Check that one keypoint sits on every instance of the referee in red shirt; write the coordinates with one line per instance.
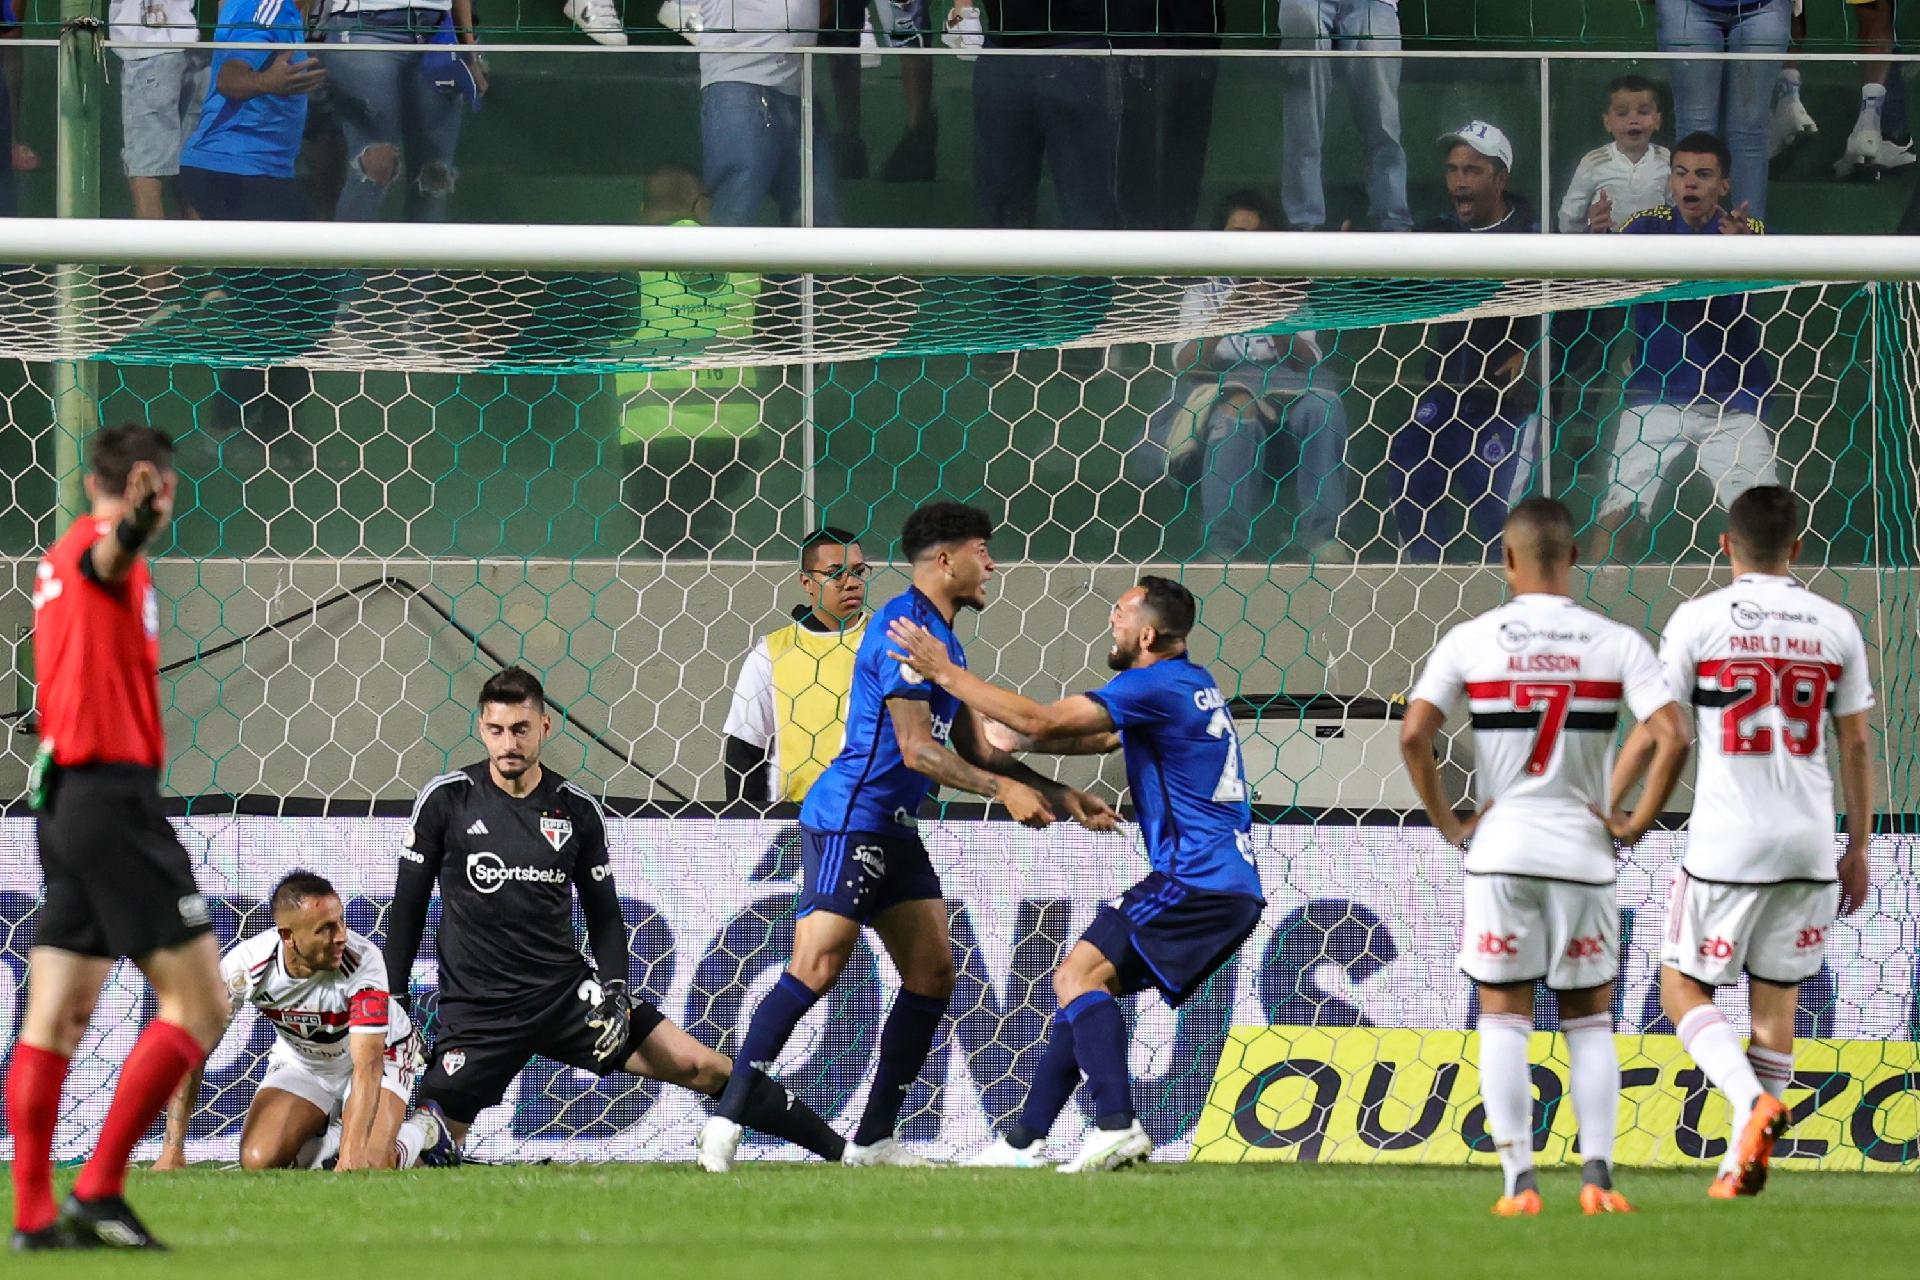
(118, 880)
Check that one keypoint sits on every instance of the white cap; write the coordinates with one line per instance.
(1485, 138)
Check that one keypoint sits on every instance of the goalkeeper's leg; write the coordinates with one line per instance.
(668, 1053)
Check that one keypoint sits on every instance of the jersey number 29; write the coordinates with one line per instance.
(1799, 689)
(1232, 787)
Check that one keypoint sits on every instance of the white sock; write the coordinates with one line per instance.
(1705, 1035)
(408, 1145)
(1595, 1067)
(1789, 84)
(1507, 1090)
(1773, 1070)
(1872, 97)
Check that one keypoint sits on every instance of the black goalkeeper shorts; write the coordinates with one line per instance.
(119, 882)
(475, 1060)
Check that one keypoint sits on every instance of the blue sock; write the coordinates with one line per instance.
(1100, 1047)
(767, 1034)
(905, 1042)
(1053, 1084)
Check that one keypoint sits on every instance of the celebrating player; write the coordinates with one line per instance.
(1765, 663)
(864, 863)
(1203, 896)
(344, 1056)
(510, 842)
(1544, 679)
(118, 882)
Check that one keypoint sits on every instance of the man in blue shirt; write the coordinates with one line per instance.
(1475, 431)
(864, 862)
(1203, 897)
(239, 165)
(1702, 380)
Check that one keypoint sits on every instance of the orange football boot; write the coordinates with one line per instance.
(1595, 1199)
(1765, 1125)
(1725, 1187)
(1524, 1205)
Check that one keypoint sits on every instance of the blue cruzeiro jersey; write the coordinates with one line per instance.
(1184, 770)
(868, 786)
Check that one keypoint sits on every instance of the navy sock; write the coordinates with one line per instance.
(1100, 1047)
(1053, 1084)
(905, 1042)
(767, 1034)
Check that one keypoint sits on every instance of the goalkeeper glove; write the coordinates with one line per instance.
(609, 1015)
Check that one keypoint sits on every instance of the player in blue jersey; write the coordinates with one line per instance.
(864, 862)
(1203, 897)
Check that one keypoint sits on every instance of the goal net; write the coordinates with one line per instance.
(408, 459)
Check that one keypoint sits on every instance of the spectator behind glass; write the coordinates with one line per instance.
(161, 93)
(1033, 110)
(1373, 95)
(1614, 182)
(239, 165)
(397, 117)
(750, 111)
(906, 25)
(1879, 140)
(1474, 431)
(1727, 98)
(1702, 378)
(1166, 112)
(1237, 396)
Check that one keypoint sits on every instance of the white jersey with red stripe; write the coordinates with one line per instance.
(1766, 663)
(313, 1016)
(1544, 680)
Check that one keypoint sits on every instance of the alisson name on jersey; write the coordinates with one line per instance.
(1544, 662)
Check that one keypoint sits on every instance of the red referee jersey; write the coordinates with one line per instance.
(96, 656)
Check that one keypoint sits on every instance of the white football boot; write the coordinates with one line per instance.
(1108, 1149)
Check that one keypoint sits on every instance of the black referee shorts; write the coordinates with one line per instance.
(477, 1054)
(119, 882)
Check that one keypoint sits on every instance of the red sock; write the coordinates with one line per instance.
(33, 1104)
(160, 1060)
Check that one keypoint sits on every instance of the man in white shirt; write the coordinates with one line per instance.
(1770, 668)
(1629, 174)
(345, 1054)
(162, 88)
(750, 111)
(1545, 681)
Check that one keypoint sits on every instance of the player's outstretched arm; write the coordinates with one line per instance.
(1417, 734)
(1663, 754)
(1856, 789)
(180, 1109)
(1074, 717)
(367, 1050)
(970, 739)
(924, 754)
(1087, 744)
(149, 497)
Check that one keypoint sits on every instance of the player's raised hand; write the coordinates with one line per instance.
(1090, 811)
(149, 495)
(1853, 877)
(1737, 223)
(1026, 806)
(920, 650)
(1600, 212)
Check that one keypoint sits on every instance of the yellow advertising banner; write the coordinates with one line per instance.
(1373, 1096)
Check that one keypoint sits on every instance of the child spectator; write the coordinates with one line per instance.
(1629, 174)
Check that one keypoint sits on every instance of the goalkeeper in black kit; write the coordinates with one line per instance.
(510, 843)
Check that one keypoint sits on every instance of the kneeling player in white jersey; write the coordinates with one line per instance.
(345, 1055)
(1544, 679)
(1764, 662)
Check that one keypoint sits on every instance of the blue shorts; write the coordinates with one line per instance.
(1165, 935)
(858, 874)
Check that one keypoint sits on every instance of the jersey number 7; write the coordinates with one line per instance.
(1551, 701)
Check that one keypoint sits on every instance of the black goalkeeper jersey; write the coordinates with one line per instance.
(508, 870)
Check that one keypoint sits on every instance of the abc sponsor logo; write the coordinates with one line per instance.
(1716, 949)
(1496, 944)
(1592, 948)
(1810, 938)
(486, 872)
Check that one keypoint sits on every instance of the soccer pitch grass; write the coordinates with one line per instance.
(1198, 1222)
